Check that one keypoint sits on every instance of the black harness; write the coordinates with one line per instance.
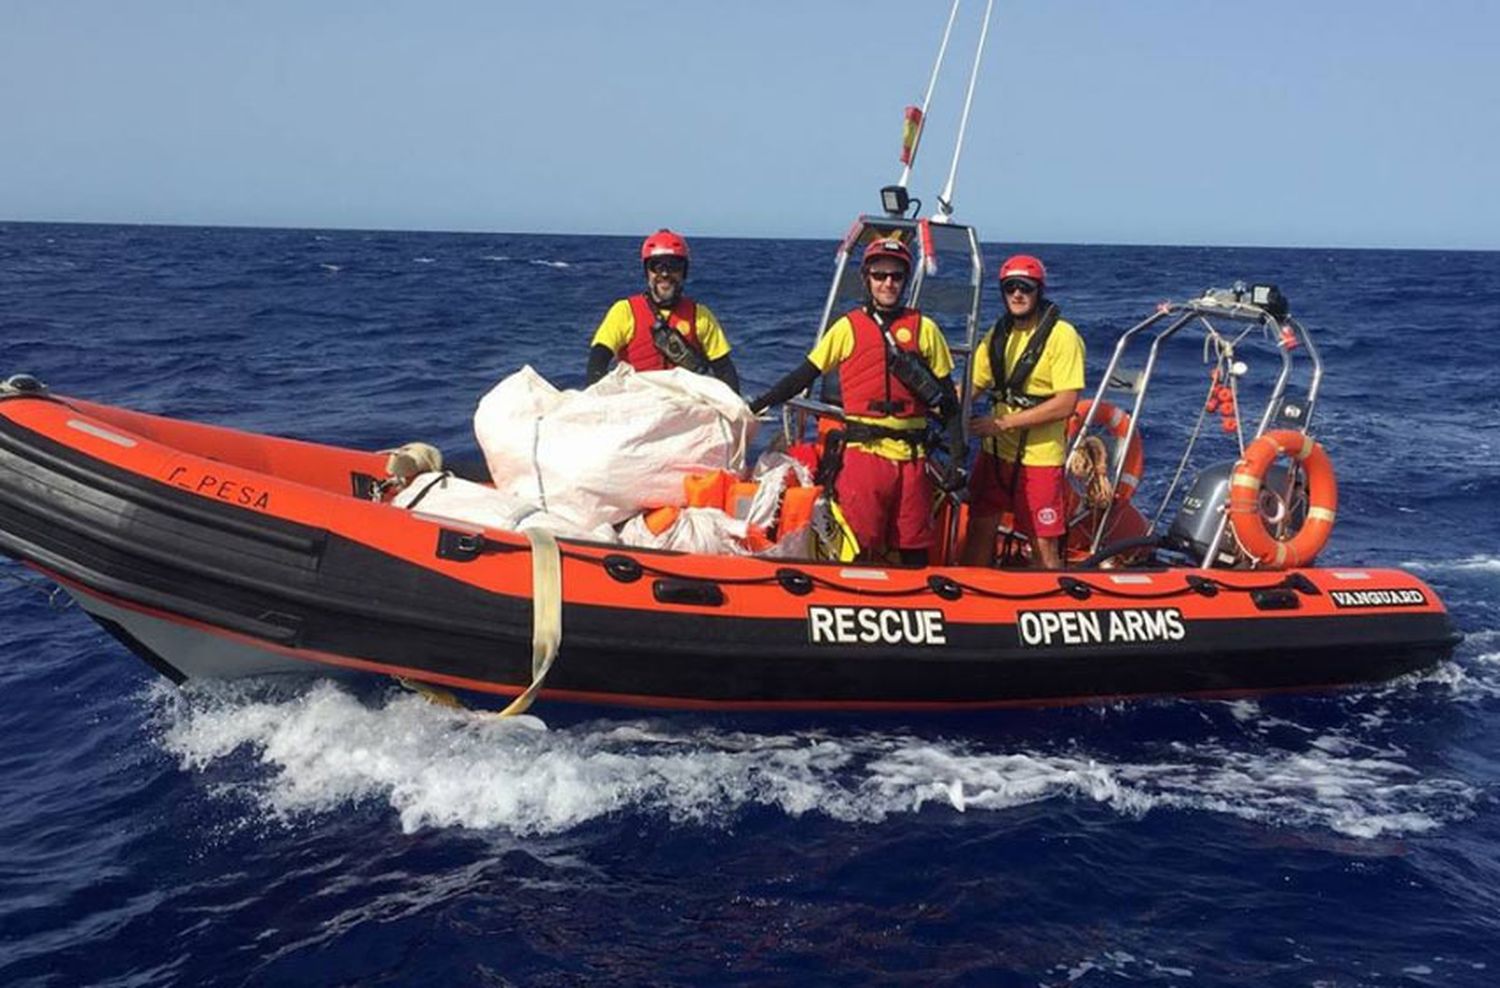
(1010, 388)
(675, 348)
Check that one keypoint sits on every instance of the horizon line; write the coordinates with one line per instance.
(708, 236)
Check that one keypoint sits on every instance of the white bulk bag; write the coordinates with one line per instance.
(447, 498)
(602, 455)
(702, 530)
(440, 495)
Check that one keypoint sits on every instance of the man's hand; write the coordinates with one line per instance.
(986, 426)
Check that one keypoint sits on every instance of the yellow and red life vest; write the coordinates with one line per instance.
(868, 386)
(641, 352)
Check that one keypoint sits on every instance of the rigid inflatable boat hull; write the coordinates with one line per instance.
(216, 554)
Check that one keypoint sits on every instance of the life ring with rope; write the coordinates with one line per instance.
(1245, 484)
(1088, 492)
(1096, 474)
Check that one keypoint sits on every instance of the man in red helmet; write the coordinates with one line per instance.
(894, 370)
(662, 328)
(1031, 363)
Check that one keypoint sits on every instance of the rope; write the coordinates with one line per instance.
(1089, 466)
(57, 596)
(546, 614)
(1222, 353)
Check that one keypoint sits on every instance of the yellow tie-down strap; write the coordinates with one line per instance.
(546, 614)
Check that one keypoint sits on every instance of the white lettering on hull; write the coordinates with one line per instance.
(1117, 627)
(875, 626)
(1378, 598)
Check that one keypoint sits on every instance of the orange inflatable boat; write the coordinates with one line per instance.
(215, 553)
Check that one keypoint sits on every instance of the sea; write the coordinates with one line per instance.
(308, 833)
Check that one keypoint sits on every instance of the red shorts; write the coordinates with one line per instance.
(888, 503)
(1038, 499)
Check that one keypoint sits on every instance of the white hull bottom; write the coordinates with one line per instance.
(190, 652)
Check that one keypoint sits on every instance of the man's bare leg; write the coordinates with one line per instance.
(1046, 553)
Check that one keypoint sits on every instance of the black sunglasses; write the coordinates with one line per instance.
(1017, 285)
(887, 275)
(666, 265)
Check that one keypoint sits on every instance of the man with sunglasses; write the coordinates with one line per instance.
(894, 369)
(1031, 362)
(662, 328)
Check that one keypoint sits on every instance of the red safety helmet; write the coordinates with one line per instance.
(1023, 266)
(891, 247)
(663, 243)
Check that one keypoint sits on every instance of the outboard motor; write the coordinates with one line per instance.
(1192, 530)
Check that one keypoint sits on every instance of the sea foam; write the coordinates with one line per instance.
(323, 748)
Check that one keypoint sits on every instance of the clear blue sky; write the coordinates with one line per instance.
(1295, 122)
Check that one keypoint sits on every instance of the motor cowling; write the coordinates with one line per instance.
(1206, 504)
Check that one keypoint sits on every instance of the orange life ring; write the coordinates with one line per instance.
(1244, 499)
(1117, 423)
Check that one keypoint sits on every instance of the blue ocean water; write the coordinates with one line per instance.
(304, 835)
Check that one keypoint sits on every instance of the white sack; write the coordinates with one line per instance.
(711, 531)
(567, 528)
(775, 461)
(792, 545)
(443, 496)
(702, 530)
(602, 455)
(465, 502)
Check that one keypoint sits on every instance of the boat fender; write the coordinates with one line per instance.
(1244, 499)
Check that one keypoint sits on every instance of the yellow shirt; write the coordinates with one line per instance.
(1059, 369)
(835, 346)
(619, 322)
